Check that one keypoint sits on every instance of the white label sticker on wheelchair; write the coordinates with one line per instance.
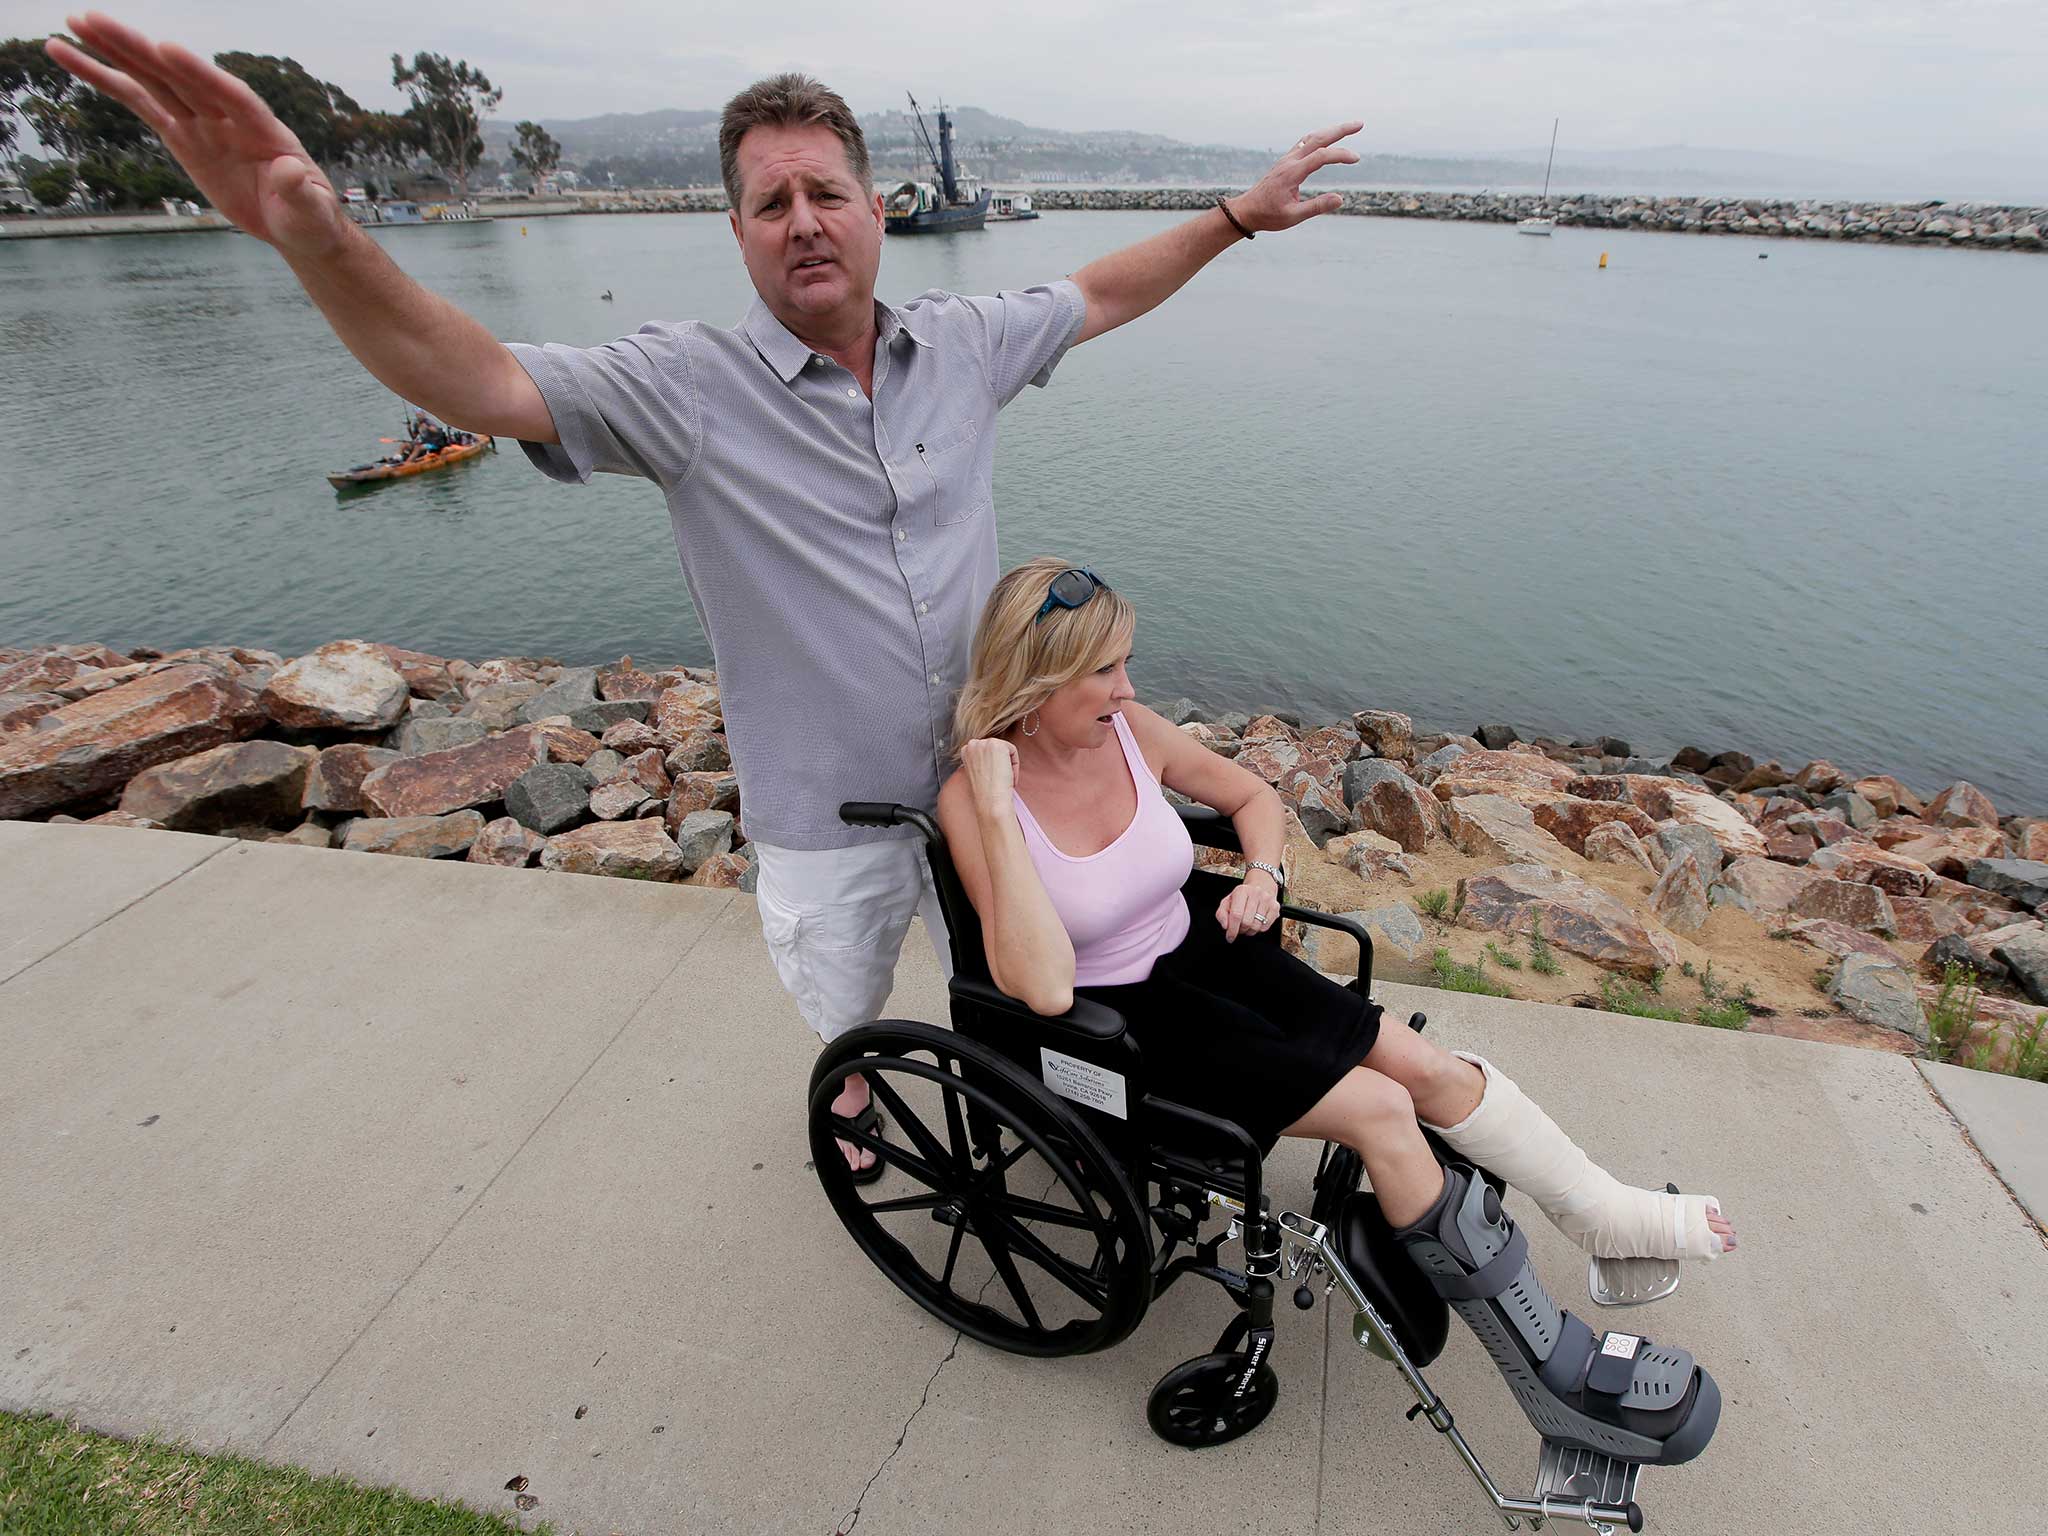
(1083, 1082)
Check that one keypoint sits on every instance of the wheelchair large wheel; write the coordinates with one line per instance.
(1002, 1213)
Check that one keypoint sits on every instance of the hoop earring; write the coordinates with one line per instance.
(1030, 730)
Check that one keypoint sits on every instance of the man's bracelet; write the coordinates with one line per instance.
(1224, 204)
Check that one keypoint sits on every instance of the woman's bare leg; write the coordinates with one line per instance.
(1373, 1115)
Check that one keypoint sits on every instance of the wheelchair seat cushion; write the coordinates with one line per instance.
(1243, 1031)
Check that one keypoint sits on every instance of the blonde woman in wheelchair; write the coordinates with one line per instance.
(1075, 862)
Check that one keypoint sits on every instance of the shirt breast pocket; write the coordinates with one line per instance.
(950, 457)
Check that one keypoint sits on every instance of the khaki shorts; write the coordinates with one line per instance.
(835, 918)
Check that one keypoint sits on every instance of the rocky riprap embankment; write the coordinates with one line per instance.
(1976, 226)
(622, 771)
(1860, 870)
(595, 770)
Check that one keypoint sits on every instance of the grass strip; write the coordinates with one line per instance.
(59, 1480)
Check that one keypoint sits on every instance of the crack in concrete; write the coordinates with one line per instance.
(226, 844)
(845, 1527)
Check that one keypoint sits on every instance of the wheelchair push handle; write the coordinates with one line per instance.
(885, 813)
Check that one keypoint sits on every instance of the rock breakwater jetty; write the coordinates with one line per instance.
(1960, 226)
(1804, 901)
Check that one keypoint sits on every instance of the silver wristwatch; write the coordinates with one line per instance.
(1279, 879)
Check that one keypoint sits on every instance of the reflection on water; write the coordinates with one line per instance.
(1788, 505)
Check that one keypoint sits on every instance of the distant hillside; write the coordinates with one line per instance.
(680, 148)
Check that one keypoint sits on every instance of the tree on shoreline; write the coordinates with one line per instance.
(110, 150)
(449, 102)
(536, 153)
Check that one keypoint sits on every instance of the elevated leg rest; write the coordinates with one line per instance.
(1376, 1259)
(1615, 1394)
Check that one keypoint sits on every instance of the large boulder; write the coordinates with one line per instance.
(418, 837)
(705, 751)
(1575, 916)
(1922, 920)
(684, 708)
(618, 799)
(1224, 743)
(1962, 804)
(1842, 901)
(256, 783)
(335, 782)
(2030, 840)
(722, 871)
(1498, 829)
(1321, 809)
(1395, 806)
(506, 843)
(1670, 800)
(478, 774)
(1676, 837)
(98, 743)
(550, 796)
(1887, 796)
(1370, 856)
(1616, 844)
(1531, 770)
(1836, 939)
(622, 680)
(497, 705)
(1879, 991)
(2022, 880)
(1571, 819)
(417, 737)
(1761, 886)
(20, 710)
(1271, 758)
(1868, 864)
(630, 850)
(1387, 733)
(1679, 898)
(1951, 850)
(574, 695)
(701, 792)
(631, 736)
(429, 677)
(1334, 744)
(1395, 927)
(2025, 954)
(703, 835)
(347, 685)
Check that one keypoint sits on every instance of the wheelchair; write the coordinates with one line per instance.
(1086, 1196)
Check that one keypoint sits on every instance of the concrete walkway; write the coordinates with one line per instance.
(438, 1175)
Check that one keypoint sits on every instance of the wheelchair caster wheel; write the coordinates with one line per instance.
(1192, 1404)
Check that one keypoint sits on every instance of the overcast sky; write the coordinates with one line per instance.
(1869, 81)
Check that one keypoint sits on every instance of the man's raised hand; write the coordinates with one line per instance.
(1276, 202)
(250, 166)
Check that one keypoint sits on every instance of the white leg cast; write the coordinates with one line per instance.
(1511, 1136)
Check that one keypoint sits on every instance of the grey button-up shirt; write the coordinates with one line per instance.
(838, 548)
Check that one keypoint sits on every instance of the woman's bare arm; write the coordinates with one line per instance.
(1030, 955)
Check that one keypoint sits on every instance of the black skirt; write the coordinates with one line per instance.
(1242, 1031)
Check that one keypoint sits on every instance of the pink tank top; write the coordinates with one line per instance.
(1122, 907)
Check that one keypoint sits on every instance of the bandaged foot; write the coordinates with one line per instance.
(1510, 1136)
(1617, 1394)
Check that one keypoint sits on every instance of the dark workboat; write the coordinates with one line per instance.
(955, 201)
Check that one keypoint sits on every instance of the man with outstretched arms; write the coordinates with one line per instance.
(826, 462)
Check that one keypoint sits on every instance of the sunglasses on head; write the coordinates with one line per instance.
(1070, 589)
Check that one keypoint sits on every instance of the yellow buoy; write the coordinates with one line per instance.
(1603, 261)
(522, 232)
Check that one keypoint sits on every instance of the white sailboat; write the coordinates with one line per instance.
(1542, 223)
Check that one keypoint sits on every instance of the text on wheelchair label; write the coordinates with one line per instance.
(1083, 1082)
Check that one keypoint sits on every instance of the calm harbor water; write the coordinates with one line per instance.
(1792, 505)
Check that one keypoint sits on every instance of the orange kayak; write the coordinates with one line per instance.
(370, 474)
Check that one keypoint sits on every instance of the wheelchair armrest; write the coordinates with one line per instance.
(1210, 829)
(1344, 925)
(1087, 1018)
